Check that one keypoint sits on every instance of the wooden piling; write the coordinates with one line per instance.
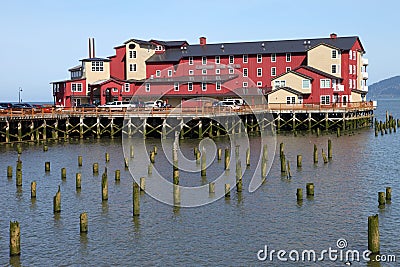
(248, 157)
(155, 150)
(142, 183)
(299, 161)
(175, 176)
(57, 201)
(219, 154)
(281, 149)
(136, 199)
(203, 162)
(299, 194)
(47, 166)
(239, 184)
(33, 189)
(329, 148)
(45, 148)
(388, 194)
(227, 158)
(152, 157)
(198, 156)
(80, 161)
(289, 174)
(211, 188)
(78, 180)
(83, 222)
(9, 171)
(318, 132)
(95, 168)
(18, 179)
(283, 164)
(310, 189)
(381, 198)
(104, 187)
(126, 161)
(150, 169)
(19, 149)
(315, 154)
(176, 195)
(338, 132)
(117, 175)
(324, 157)
(237, 151)
(132, 151)
(15, 238)
(373, 234)
(107, 157)
(63, 173)
(263, 170)
(227, 190)
(265, 152)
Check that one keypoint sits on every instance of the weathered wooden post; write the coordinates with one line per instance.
(80, 161)
(318, 132)
(9, 171)
(142, 184)
(315, 154)
(107, 157)
(104, 187)
(198, 156)
(388, 194)
(155, 149)
(176, 195)
(263, 170)
(150, 169)
(117, 175)
(329, 148)
(18, 179)
(132, 151)
(283, 164)
(237, 151)
(239, 184)
(265, 153)
(310, 189)
(203, 162)
(289, 174)
(83, 222)
(227, 190)
(227, 158)
(152, 157)
(381, 198)
(338, 132)
(299, 194)
(45, 148)
(299, 161)
(15, 238)
(281, 149)
(211, 187)
(47, 166)
(136, 199)
(195, 149)
(63, 173)
(19, 149)
(126, 161)
(78, 180)
(248, 157)
(373, 234)
(219, 154)
(324, 157)
(33, 189)
(57, 201)
(95, 168)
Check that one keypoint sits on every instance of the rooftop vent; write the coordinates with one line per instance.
(333, 35)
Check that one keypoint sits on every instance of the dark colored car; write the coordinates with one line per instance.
(42, 108)
(22, 105)
(86, 105)
(5, 105)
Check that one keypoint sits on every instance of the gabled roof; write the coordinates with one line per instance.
(295, 73)
(170, 43)
(289, 89)
(94, 59)
(258, 47)
(78, 67)
(317, 71)
(140, 42)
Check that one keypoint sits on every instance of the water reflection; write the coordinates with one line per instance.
(15, 261)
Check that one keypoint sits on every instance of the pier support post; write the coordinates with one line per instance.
(142, 183)
(211, 188)
(47, 166)
(117, 175)
(299, 194)
(104, 186)
(33, 189)
(227, 190)
(227, 158)
(57, 201)
(381, 198)
(329, 149)
(9, 171)
(388, 194)
(15, 238)
(83, 222)
(248, 157)
(80, 161)
(63, 173)
(239, 184)
(315, 154)
(136, 199)
(95, 168)
(373, 234)
(310, 189)
(219, 154)
(203, 162)
(78, 180)
(299, 161)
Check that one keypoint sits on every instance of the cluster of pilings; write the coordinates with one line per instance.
(388, 126)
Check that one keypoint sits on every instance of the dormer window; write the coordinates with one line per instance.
(97, 66)
(159, 48)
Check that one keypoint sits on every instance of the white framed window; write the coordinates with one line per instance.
(350, 69)
(132, 54)
(231, 70)
(273, 71)
(273, 57)
(350, 54)
(354, 69)
(159, 48)
(245, 84)
(217, 60)
(127, 87)
(204, 71)
(190, 86)
(176, 86)
(203, 86)
(288, 57)
(325, 100)
(97, 66)
(354, 55)
(217, 71)
(115, 90)
(354, 84)
(218, 86)
(245, 58)
(334, 53)
(245, 72)
(147, 87)
(158, 73)
(190, 60)
(204, 60)
(281, 83)
(300, 99)
(231, 59)
(290, 100)
(259, 58)
(306, 84)
(132, 67)
(334, 68)
(288, 69)
(259, 84)
(76, 87)
(191, 72)
(325, 83)
(259, 72)
(169, 73)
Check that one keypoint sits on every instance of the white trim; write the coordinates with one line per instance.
(288, 69)
(127, 87)
(78, 87)
(191, 72)
(231, 71)
(158, 73)
(323, 83)
(290, 57)
(325, 99)
(259, 58)
(217, 60)
(169, 73)
(273, 71)
(190, 60)
(245, 58)
(176, 86)
(259, 72)
(217, 71)
(302, 84)
(204, 71)
(273, 57)
(190, 85)
(259, 83)
(245, 72)
(132, 67)
(233, 59)
(218, 86)
(203, 87)
(203, 60)
(245, 84)
(147, 87)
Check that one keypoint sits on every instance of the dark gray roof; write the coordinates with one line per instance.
(95, 59)
(140, 42)
(320, 72)
(294, 72)
(170, 43)
(259, 47)
(78, 67)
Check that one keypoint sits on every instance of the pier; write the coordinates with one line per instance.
(195, 122)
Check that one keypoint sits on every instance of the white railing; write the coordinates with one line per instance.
(338, 88)
(365, 88)
(365, 75)
(365, 61)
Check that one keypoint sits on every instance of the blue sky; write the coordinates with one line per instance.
(41, 39)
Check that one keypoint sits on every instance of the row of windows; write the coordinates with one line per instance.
(132, 54)
(335, 53)
(76, 87)
(97, 66)
(353, 84)
(245, 58)
(218, 71)
(352, 69)
(218, 86)
(352, 55)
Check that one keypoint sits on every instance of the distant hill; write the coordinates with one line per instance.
(388, 88)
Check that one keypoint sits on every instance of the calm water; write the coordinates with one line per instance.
(224, 233)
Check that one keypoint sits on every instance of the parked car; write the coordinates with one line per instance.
(22, 106)
(5, 106)
(42, 108)
(117, 105)
(86, 105)
(157, 104)
(226, 104)
(238, 101)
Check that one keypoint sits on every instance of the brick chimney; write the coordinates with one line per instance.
(203, 41)
(333, 35)
(91, 48)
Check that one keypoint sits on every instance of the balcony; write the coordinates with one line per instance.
(338, 88)
(365, 88)
(365, 61)
(365, 75)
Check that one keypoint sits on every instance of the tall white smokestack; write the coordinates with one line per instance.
(91, 47)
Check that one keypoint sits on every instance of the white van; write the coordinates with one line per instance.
(238, 101)
(117, 105)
